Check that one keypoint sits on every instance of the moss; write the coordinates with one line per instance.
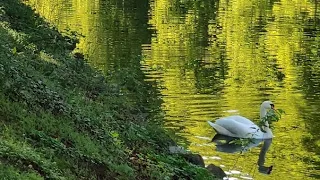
(62, 119)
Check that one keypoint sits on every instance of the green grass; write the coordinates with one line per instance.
(62, 119)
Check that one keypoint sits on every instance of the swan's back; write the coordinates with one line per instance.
(237, 118)
(237, 126)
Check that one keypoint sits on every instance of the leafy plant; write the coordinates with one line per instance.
(242, 141)
(273, 115)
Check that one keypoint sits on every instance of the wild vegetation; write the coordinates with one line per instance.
(274, 115)
(62, 119)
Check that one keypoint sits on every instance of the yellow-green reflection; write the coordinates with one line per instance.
(182, 65)
(109, 33)
(258, 41)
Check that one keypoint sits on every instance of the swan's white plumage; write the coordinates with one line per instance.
(241, 127)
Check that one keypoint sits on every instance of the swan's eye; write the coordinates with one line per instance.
(272, 106)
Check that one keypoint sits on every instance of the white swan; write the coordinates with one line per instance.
(241, 127)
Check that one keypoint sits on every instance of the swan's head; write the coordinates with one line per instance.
(267, 105)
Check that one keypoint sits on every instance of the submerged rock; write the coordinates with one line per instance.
(195, 159)
(216, 171)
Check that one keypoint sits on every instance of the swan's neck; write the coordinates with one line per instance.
(263, 113)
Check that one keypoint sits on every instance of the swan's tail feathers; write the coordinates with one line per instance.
(220, 130)
(216, 127)
(211, 124)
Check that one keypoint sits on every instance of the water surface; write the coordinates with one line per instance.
(211, 59)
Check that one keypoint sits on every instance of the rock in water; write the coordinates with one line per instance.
(216, 171)
(194, 159)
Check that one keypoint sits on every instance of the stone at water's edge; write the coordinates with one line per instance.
(194, 159)
(177, 150)
(197, 159)
(216, 171)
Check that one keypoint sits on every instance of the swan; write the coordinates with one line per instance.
(241, 127)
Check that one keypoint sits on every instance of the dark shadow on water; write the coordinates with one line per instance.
(228, 144)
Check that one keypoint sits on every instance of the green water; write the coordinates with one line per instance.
(211, 59)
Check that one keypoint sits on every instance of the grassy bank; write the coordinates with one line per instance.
(62, 119)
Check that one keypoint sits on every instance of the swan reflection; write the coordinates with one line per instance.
(229, 144)
(262, 157)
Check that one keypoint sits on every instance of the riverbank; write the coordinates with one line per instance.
(62, 119)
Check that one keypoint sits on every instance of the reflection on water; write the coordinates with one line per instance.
(229, 144)
(262, 156)
(211, 59)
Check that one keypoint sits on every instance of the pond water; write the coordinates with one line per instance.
(214, 58)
